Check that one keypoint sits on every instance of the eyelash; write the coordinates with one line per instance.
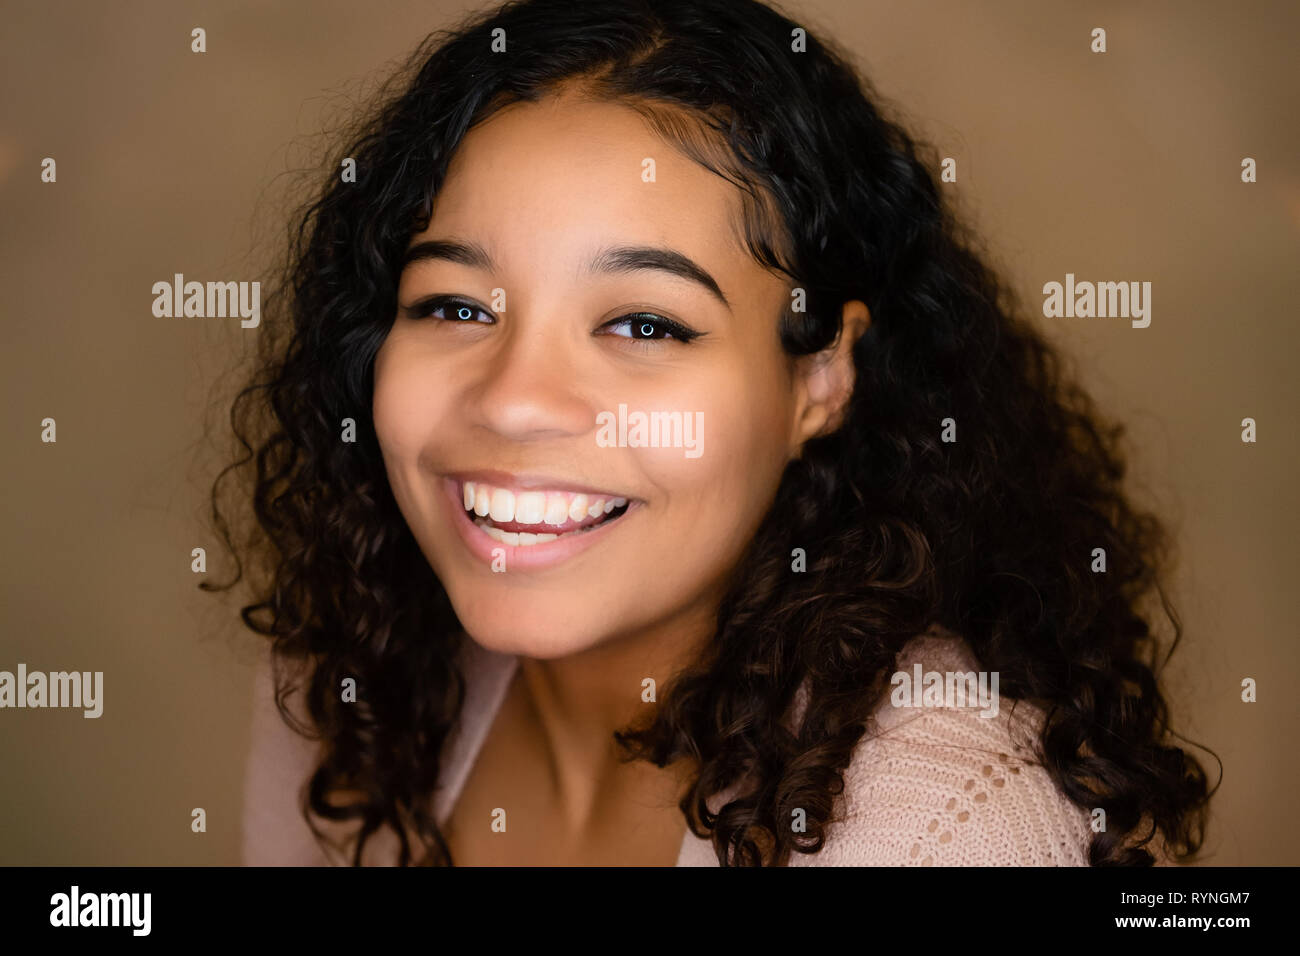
(425, 308)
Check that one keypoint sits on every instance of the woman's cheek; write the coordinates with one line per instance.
(411, 401)
(394, 439)
(717, 486)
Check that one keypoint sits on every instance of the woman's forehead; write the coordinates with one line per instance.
(571, 171)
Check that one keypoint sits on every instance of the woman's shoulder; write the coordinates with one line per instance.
(274, 831)
(281, 761)
(945, 776)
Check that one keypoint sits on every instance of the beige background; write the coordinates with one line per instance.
(1123, 166)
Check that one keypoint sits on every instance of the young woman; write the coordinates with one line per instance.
(642, 464)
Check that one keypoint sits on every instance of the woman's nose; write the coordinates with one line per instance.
(529, 389)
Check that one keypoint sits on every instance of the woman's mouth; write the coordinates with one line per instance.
(530, 518)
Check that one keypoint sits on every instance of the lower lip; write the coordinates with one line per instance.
(523, 557)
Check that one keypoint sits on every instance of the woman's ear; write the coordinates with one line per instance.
(825, 379)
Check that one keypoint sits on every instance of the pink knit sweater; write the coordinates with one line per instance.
(928, 786)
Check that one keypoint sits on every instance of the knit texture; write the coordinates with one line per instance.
(950, 786)
(927, 786)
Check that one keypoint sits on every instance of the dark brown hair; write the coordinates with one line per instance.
(991, 536)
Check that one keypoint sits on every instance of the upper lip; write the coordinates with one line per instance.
(530, 481)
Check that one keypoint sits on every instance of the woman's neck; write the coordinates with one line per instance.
(576, 703)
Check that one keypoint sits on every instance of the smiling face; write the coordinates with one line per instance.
(574, 294)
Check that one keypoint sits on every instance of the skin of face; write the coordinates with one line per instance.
(543, 187)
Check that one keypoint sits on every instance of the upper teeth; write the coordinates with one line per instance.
(535, 507)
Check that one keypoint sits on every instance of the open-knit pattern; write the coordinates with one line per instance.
(929, 786)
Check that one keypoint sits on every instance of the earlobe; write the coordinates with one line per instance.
(827, 378)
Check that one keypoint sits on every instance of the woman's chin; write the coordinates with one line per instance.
(538, 639)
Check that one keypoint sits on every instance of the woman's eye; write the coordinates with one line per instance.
(450, 309)
(640, 326)
(645, 327)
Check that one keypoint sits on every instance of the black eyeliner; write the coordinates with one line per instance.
(679, 331)
(423, 308)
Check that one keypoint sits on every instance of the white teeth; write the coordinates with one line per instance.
(503, 505)
(505, 537)
(557, 510)
(530, 507)
(516, 539)
(536, 508)
(523, 539)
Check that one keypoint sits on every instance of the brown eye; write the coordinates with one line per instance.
(646, 326)
(449, 309)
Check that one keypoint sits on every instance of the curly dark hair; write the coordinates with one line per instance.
(991, 537)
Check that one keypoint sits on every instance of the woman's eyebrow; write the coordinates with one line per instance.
(632, 258)
(610, 260)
